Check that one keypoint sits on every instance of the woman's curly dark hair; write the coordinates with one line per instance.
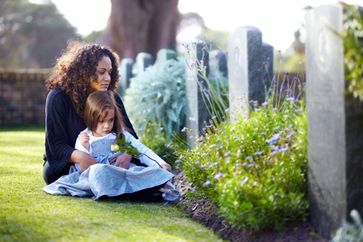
(76, 68)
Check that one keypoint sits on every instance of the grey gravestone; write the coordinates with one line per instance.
(335, 133)
(246, 59)
(164, 55)
(218, 61)
(218, 71)
(125, 74)
(267, 55)
(143, 60)
(196, 89)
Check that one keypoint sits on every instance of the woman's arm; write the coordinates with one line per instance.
(83, 159)
(59, 140)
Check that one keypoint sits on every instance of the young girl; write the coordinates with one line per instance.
(109, 177)
(104, 128)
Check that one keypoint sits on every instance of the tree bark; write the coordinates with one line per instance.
(141, 26)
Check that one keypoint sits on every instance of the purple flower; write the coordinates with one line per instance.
(273, 139)
(258, 152)
(206, 183)
(298, 111)
(284, 148)
(213, 164)
(244, 180)
(288, 136)
(212, 146)
(238, 153)
(280, 149)
(290, 99)
(249, 165)
(218, 175)
(275, 149)
(184, 130)
(227, 153)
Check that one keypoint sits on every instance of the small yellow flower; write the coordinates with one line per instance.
(115, 147)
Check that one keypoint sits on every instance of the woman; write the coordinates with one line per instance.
(81, 70)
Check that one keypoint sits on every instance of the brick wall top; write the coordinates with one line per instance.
(22, 96)
(24, 74)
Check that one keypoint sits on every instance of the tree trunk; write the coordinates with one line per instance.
(141, 26)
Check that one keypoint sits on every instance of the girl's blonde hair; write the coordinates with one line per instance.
(96, 107)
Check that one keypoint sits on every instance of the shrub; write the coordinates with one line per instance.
(157, 96)
(154, 137)
(254, 170)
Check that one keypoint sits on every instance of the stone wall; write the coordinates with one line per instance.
(22, 96)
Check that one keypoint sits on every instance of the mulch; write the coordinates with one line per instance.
(206, 213)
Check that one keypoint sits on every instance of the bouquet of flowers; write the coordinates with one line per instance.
(122, 146)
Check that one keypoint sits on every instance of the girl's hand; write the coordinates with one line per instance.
(84, 139)
(123, 160)
(166, 166)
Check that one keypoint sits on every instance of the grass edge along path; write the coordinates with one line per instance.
(29, 214)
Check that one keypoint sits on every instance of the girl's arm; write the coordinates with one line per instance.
(148, 157)
(82, 142)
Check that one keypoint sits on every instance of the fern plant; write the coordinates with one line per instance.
(158, 96)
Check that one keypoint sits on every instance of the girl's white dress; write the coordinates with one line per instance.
(104, 179)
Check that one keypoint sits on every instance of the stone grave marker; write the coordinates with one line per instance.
(247, 57)
(335, 133)
(125, 69)
(196, 89)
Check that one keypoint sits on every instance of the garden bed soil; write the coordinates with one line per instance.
(206, 213)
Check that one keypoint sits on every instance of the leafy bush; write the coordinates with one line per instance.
(154, 137)
(254, 170)
(353, 48)
(157, 96)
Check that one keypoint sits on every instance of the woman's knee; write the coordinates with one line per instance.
(50, 174)
(46, 173)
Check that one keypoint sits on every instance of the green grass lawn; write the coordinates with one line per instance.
(29, 214)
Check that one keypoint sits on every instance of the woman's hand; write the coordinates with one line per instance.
(83, 159)
(123, 160)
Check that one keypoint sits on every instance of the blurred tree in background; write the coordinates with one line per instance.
(294, 56)
(142, 26)
(214, 38)
(32, 35)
